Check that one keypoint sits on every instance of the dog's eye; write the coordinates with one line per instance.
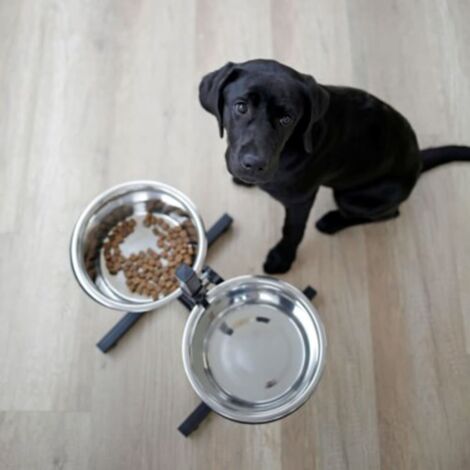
(285, 120)
(241, 107)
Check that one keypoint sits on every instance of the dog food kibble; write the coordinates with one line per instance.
(150, 273)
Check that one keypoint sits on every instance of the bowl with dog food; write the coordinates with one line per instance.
(253, 348)
(127, 243)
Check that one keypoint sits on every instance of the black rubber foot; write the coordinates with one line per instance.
(192, 422)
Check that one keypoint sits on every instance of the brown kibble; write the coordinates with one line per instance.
(149, 272)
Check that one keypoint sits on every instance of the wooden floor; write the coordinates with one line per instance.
(93, 93)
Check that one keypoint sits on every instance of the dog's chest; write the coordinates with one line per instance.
(292, 192)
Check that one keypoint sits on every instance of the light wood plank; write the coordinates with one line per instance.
(45, 440)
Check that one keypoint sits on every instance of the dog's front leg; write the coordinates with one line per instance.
(281, 256)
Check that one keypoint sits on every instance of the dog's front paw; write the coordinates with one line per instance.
(278, 261)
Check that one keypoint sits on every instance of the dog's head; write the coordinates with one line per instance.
(262, 104)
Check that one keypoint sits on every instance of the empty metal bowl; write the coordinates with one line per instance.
(256, 352)
(133, 199)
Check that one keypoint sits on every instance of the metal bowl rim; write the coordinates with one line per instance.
(267, 415)
(82, 278)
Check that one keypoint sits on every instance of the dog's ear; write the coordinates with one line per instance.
(211, 91)
(318, 100)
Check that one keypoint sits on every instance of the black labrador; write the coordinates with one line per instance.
(290, 135)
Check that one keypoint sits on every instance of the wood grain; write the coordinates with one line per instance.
(96, 93)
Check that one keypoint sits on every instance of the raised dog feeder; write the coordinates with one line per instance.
(253, 346)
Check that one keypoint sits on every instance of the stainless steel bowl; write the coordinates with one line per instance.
(256, 353)
(132, 199)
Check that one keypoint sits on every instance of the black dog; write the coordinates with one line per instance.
(289, 135)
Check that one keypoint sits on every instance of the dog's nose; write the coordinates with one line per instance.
(253, 163)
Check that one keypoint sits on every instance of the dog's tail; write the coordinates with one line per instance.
(438, 156)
